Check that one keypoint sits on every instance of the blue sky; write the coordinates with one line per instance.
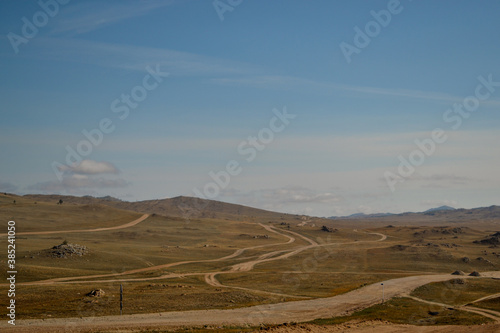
(354, 117)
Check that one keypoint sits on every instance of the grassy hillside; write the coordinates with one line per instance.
(185, 207)
(31, 215)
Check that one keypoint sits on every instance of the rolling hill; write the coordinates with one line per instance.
(195, 208)
(183, 207)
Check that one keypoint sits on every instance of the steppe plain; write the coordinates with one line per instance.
(204, 266)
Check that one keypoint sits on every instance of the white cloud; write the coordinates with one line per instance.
(82, 179)
(444, 178)
(295, 199)
(90, 167)
(78, 184)
(295, 194)
(439, 203)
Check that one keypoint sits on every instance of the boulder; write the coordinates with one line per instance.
(64, 250)
(328, 229)
(96, 293)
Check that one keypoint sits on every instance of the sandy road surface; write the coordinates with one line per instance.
(299, 311)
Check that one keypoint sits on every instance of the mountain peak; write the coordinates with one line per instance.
(438, 209)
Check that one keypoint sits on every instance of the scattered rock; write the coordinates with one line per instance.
(466, 260)
(458, 273)
(65, 250)
(475, 273)
(261, 236)
(328, 229)
(457, 281)
(486, 261)
(440, 230)
(96, 293)
(450, 245)
(493, 239)
(400, 247)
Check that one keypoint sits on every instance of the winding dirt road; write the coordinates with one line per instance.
(123, 226)
(299, 311)
(237, 253)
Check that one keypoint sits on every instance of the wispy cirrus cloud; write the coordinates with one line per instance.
(327, 88)
(302, 199)
(437, 203)
(83, 17)
(445, 178)
(136, 58)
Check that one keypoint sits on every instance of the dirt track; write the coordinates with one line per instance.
(158, 267)
(483, 312)
(123, 226)
(382, 327)
(299, 311)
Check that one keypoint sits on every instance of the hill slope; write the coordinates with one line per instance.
(438, 209)
(184, 207)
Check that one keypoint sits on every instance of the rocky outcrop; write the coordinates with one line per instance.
(68, 250)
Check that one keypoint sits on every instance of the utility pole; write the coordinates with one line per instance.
(121, 299)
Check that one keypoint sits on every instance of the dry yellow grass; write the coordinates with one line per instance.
(347, 259)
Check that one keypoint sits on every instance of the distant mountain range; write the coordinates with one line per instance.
(438, 209)
(361, 216)
(460, 214)
(431, 211)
